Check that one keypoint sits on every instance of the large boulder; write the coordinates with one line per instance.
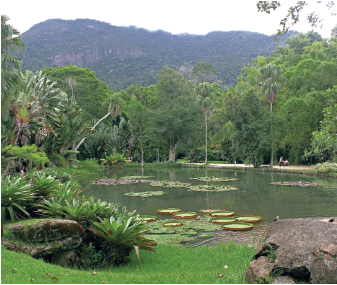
(44, 237)
(297, 250)
(45, 230)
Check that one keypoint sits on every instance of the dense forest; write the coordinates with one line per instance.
(283, 104)
(122, 56)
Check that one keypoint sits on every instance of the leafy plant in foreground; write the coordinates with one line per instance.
(121, 237)
(15, 195)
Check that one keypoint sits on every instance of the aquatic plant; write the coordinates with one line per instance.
(216, 179)
(169, 184)
(212, 188)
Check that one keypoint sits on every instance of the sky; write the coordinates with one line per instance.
(174, 16)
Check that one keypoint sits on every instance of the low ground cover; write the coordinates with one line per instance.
(225, 263)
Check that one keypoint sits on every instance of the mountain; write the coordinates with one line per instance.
(122, 56)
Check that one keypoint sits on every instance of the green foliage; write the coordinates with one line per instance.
(15, 197)
(44, 185)
(53, 172)
(122, 237)
(326, 167)
(28, 153)
(57, 159)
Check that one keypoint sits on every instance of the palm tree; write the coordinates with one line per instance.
(9, 77)
(271, 81)
(204, 98)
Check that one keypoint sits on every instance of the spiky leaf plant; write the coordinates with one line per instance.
(15, 196)
(122, 236)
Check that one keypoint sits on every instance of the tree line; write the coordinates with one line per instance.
(283, 104)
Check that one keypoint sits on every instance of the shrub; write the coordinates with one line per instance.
(326, 167)
(58, 159)
(15, 197)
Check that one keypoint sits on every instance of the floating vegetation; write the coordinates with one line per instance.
(295, 183)
(162, 231)
(216, 179)
(209, 211)
(147, 218)
(223, 220)
(249, 219)
(184, 215)
(237, 226)
(145, 194)
(173, 224)
(212, 188)
(168, 211)
(114, 181)
(136, 177)
(169, 184)
(221, 214)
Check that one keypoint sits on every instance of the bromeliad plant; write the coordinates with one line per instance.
(122, 237)
(15, 196)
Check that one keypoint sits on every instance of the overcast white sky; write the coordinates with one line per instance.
(174, 16)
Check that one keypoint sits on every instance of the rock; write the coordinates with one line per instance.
(44, 237)
(302, 249)
(45, 249)
(46, 230)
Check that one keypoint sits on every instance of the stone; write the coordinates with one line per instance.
(45, 249)
(302, 249)
(46, 230)
(45, 237)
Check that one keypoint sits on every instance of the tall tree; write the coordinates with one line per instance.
(176, 118)
(205, 96)
(270, 80)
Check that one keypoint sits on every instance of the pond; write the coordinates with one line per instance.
(256, 196)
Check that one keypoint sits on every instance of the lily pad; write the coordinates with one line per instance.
(216, 179)
(184, 215)
(145, 194)
(237, 226)
(212, 188)
(169, 184)
(249, 219)
(223, 220)
(209, 229)
(221, 214)
(114, 181)
(168, 211)
(172, 224)
(206, 235)
(164, 231)
(147, 218)
(191, 233)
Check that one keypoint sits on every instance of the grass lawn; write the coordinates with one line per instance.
(169, 264)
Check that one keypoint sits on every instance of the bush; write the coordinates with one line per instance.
(58, 160)
(326, 167)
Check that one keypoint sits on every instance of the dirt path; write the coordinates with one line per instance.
(241, 165)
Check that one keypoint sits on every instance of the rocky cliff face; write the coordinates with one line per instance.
(93, 54)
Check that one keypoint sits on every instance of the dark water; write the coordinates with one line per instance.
(256, 196)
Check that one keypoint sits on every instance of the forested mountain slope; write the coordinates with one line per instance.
(122, 56)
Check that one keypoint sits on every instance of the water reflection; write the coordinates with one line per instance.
(256, 196)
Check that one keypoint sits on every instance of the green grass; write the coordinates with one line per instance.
(170, 264)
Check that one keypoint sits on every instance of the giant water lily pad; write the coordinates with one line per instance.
(168, 211)
(223, 220)
(173, 224)
(249, 219)
(145, 194)
(114, 181)
(184, 215)
(212, 188)
(169, 184)
(162, 231)
(221, 214)
(147, 218)
(295, 183)
(215, 179)
(237, 226)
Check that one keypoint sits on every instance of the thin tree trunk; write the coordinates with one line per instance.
(272, 135)
(141, 148)
(92, 129)
(206, 138)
